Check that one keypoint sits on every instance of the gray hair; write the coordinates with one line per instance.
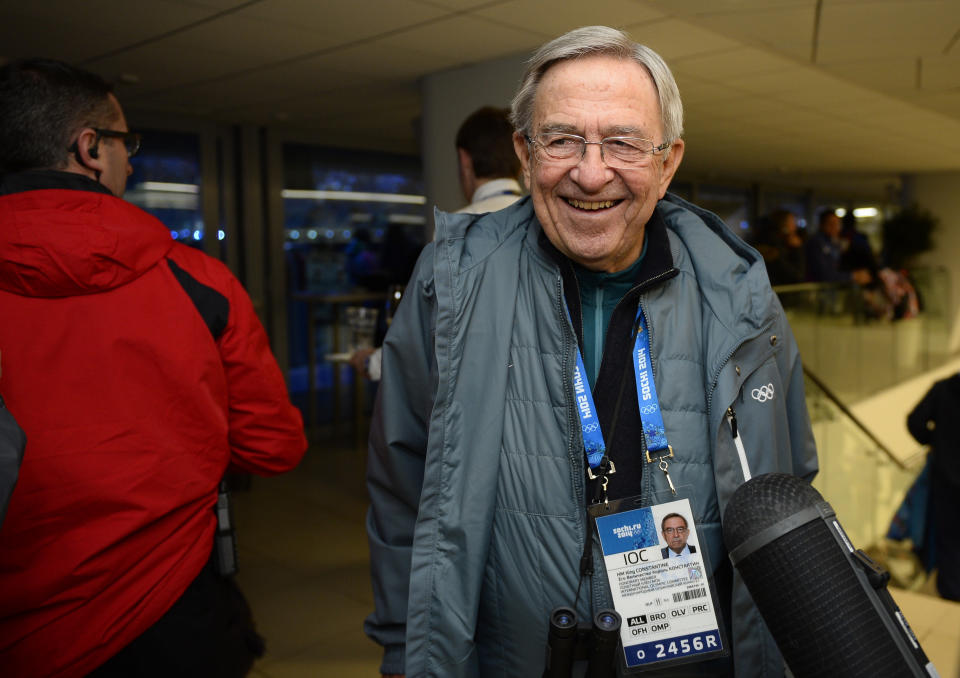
(590, 41)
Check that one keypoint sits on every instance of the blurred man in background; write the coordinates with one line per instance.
(488, 165)
(488, 176)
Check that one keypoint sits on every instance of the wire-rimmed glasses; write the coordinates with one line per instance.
(616, 152)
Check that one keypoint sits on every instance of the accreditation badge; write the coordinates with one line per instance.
(659, 581)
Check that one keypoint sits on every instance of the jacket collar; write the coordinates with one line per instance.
(656, 267)
(495, 187)
(36, 180)
(657, 263)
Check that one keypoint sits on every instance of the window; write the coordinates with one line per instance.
(166, 183)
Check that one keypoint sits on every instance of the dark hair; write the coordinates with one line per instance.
(672, 515)
(826, 214)
(43, 106)
(487, 135)
(849, 223)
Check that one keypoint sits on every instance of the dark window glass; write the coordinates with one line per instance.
(729, 203)
(166, 183)
(354, 224)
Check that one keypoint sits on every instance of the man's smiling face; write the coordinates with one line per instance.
(596, 215)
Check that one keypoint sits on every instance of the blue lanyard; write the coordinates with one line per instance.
(589, 424)
(654, 430)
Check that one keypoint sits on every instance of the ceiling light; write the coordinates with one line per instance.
(356, 196)
(168, 187)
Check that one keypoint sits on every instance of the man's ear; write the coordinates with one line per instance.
(87, 151)
(468, 180)
(466, 162)
(522, 149)
(671, 161)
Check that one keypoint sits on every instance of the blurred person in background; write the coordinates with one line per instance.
(782, 249)
(856, 252)
(488, 164)
(934, 422)
(488, 177)
(140, 373)
(885, 293)
(824, 252)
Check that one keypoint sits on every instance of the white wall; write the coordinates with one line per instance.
(940, 193)
(448, 97)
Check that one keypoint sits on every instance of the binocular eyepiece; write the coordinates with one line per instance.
(568, 640)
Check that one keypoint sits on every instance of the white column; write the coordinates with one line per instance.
(448, 97)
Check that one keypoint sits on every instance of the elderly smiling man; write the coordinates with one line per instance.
(600, 343)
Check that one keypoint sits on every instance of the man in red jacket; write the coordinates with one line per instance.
(140, 374)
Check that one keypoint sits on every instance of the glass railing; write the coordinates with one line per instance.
(934, 287)
(850, 352)
(854, 339)
(862, 479)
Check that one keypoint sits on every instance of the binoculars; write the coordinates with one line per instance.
(568, 640)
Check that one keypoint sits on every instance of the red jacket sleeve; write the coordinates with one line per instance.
(266, 430)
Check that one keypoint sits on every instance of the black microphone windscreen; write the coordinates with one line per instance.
(804, 584)
(762, 502)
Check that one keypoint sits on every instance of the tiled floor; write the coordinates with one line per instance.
(303, 565)
(936, 624)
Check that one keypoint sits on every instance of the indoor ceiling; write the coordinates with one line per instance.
(791, 86)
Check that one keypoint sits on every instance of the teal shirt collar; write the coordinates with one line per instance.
(600, 293)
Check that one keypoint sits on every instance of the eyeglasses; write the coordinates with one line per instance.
(131, 140)
(616, 152)
(674, 530)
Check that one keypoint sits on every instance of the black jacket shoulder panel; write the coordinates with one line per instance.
(213, 306)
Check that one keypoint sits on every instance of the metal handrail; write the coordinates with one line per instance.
(811, 286)
(831, 396)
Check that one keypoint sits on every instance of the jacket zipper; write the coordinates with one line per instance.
(568, 389)
(645, 484)
(638, 288)
(595, 597)
(598, 334)
(738, 442)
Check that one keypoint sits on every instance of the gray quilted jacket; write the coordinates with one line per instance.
(476, 463)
